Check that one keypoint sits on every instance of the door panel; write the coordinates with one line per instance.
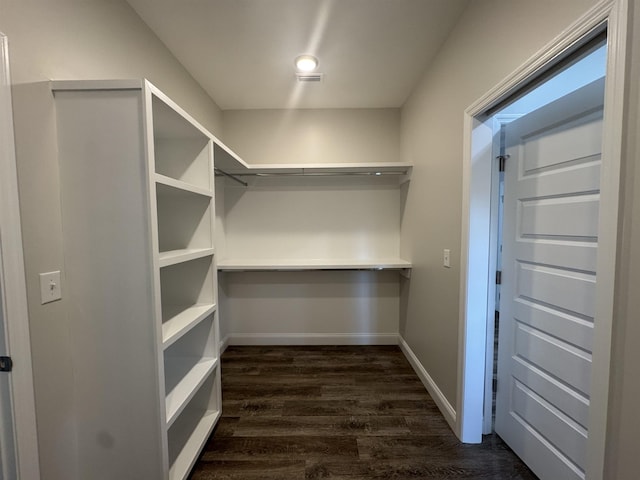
(555, 323)
(584, 174)
(547, 305)
(555, 356)
(572, 255)
(551, 423)
(559, 217)
(566, 399)
(557, 144)
(566, 290)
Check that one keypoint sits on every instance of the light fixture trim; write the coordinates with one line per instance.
(306, 63)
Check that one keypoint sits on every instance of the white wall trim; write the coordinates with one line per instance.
(545, 57)
(613, 13)
(312, 339)
(15, 291)
(447, 410)
(224, 343)
(608, 229)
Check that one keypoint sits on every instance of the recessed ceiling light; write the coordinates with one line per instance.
(306, 63)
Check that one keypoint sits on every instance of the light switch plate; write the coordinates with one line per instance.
(50, 287)
(446, 258)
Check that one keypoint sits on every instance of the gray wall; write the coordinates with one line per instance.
(492, 39)
(314, 136)
(70, 39)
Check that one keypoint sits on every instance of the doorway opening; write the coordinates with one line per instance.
(584, 67)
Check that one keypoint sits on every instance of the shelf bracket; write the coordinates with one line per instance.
(406, 273)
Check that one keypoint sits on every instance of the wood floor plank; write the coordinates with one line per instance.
(437, 469)
(249, 470)
(428, 425)
(278, 391)
(320, 426)
(354, 407)
(339, 413)
(379, 390)
(291, 447)
(252, 407)
(286, 379)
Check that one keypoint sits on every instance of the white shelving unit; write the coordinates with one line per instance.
(310, 254)
(292, 206)
(137, 189)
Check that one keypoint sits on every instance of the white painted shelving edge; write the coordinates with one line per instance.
(313, 264)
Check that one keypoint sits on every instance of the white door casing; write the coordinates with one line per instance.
(547, 309)
(19, 460)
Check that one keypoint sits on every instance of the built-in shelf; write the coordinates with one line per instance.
(143, 144)
(179, 320)
(197, 371)
(181, 146)
(180, 185)
(194, 435)
(173, 257)
(232, 167)
(313, 264)
(184, 219)
(228, 162)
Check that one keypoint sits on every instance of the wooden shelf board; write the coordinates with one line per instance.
(313, 264)
(132, 84)
(400, 168)
(225, 158)
(172, 121)
(182, 186)
(178, 398)
(173, 257)
(178, 320)
(188, 455)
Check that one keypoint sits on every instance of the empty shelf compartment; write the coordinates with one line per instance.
(189, 433)
(181, 150)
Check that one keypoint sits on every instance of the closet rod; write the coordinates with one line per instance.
(232, 177)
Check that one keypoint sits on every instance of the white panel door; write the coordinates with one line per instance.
(552, 183)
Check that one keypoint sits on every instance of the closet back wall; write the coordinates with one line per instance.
(310, 218)
(333, 135)
(70, 39)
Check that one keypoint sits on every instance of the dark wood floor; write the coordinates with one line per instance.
(349, 413)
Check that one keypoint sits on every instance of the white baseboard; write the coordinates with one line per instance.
(312, 339)
(224, 344)
(443, 404)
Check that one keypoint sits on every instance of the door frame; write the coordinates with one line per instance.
(476, 276)
(495, 122)
(13, 286)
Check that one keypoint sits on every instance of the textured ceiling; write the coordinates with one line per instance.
(372, 52)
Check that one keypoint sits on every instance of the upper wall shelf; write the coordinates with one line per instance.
(292, 265)
(229, 163)
(328, 169)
